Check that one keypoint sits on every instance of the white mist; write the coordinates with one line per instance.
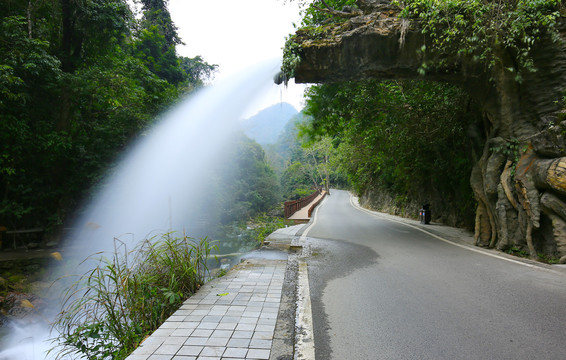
(152, 189)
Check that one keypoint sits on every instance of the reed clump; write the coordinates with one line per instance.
(110, 309)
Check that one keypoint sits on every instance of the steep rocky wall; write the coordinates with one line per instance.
(520, 203)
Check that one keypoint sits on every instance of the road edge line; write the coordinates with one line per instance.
(304, 343)
(476, 250)
(304, 331)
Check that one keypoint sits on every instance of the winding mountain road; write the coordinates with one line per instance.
(383, 290)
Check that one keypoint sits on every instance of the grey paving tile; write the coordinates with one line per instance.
(137, 357)
(193, 341)
(254, 307)
(244, 343)
(192, 301)
(254, 314)
(239, 302)
(147, 349)
(230, 319)
(202, 333)
(249, 320)
(242, 334)
(267, 322)
(255, 303)
(194, 318)
(267, 315)
(271, 304)
(183, 357)
(219, 308)
(188, 325)
(217, 341)
(182, 332)
(266, 328)
(211, 325)
(224, 301)
(174, 340)
(167, 349)
(190, 350)
(227, 326)
(162, 332)
(222, 333)
(235, 353)
(209, 301)
(199, 311)
(170, 325)
(261, 344)
(270, 309)
(188, 306)
(184, 312)
(212, 319)
(263, 335)
(234, 313)
(245, 327)
(216, 351)
(160, 357)
(237, 308)
(258, 354)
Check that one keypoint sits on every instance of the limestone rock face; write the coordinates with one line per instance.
(524, 209)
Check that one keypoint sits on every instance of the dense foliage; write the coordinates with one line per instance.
(410, 139)
(302, 164)
(112, 308)
(487, 32)
(407, 139)
(78, 80)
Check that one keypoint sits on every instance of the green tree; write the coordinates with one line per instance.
(78, 81)
(254, 188)
(498, 35)
(319, 161)
(405, 138)
(27, 74)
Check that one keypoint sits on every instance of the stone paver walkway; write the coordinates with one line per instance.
(232, 317)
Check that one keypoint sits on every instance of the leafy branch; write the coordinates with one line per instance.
(500, 34)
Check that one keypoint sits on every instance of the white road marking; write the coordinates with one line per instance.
(474, 249)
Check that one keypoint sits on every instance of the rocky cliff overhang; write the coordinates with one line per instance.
(377, 43)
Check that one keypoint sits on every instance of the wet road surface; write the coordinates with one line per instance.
(382, 290)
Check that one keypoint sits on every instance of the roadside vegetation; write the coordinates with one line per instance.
(79, 80)
(402, 144)
(111, 308)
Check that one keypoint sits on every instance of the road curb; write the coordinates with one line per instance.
(304, 331)
(304, 338)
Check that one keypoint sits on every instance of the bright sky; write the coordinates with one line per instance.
(236, 34)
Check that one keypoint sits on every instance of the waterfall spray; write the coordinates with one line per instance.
(155, 182)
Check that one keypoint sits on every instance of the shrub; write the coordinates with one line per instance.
(110, 309)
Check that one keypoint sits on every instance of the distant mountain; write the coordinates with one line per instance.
(266, 126)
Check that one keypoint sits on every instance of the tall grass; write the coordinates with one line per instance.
(110, 309)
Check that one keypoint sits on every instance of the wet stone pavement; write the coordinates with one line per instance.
(232, 317)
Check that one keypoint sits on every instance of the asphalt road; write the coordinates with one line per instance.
(382, 290)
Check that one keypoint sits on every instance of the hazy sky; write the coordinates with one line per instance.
(236, 34)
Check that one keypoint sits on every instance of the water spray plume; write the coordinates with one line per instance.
(155, 184)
